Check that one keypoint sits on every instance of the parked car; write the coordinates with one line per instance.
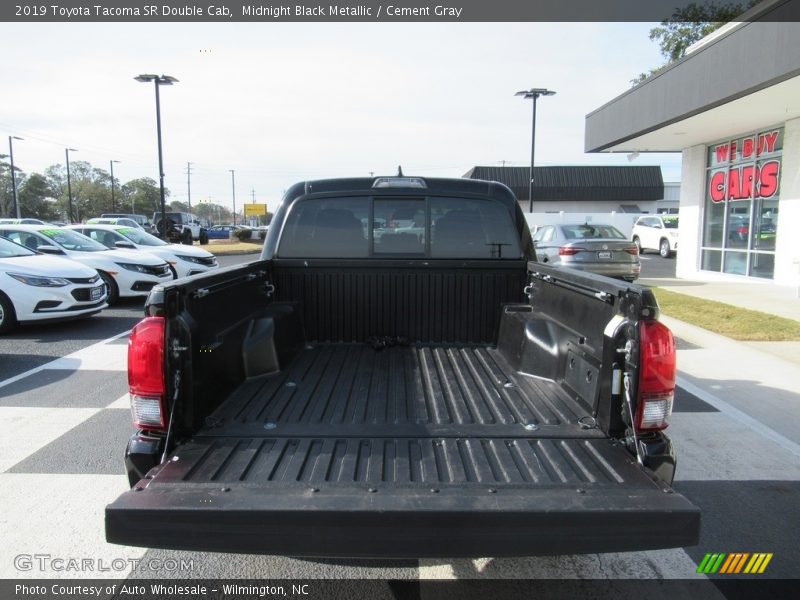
(124, 221)
(180, 227)
(35, 287)
(142, 220)
(601, 249)
(183, 260)
(126, 273)
(223, 232)
(656, 232)
(22, 222)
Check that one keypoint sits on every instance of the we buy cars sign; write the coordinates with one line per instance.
(756, 179)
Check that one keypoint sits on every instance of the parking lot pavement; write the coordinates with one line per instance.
(61, 463)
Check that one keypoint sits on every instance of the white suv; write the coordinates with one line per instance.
(657, 232)
(181, 227)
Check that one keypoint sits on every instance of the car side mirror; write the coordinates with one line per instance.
(126, 245)
(48, 249)
(657, 226)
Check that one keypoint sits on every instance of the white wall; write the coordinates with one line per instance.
(787, 242)
(693, 183)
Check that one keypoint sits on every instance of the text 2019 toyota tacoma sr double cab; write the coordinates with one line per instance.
(397, 377)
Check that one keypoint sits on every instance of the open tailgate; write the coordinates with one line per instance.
(432, 497)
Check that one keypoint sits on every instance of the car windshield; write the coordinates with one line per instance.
(72, 240)
(9, 249)
(592, 232)
(138, 236)
(670, 222)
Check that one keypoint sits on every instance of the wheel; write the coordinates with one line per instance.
(165, 229)
(186, 238)
(203, 237)
(111, 286)
(8, 318)
(663, 249)
(638, 243)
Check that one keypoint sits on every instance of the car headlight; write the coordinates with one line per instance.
(194, 259)
(39, 281)
(134, 267)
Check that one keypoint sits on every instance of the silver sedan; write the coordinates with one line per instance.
(597, 248)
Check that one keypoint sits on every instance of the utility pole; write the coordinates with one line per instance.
(111, 164)
(253, 194)
(233, 193)
(189, 183)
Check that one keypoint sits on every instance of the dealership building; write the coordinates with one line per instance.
(731, 106)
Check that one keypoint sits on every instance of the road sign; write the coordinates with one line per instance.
(255, 210)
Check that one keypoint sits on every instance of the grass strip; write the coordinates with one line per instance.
(233, 248)
(725, 319)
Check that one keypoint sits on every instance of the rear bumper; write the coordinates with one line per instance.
(625, 270)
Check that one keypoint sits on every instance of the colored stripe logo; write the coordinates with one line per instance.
(734, 563)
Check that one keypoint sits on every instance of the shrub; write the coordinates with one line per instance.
(243, 235)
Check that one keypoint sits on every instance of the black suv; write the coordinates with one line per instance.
(181, 227)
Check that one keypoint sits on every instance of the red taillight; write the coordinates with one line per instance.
(569, 250)
(146, 373)
(656, 376)
(634, 250)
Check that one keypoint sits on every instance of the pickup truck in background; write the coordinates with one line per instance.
(397, 377)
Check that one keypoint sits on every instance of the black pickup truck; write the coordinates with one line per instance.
(397, 377)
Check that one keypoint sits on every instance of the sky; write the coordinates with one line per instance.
(284, 102)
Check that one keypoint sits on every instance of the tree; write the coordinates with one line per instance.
(141, 196)
(178, 206)
(36, 199)
(688, 25)
(90, 186)
(6, 187)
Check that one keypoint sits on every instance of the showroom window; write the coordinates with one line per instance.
(741, 206)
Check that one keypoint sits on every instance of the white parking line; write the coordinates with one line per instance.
(50, 365)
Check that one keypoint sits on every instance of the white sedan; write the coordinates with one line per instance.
(126, 273)
(183, 260)
(35, 287)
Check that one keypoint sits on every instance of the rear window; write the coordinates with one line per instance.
(394, 227)
(326, 228)
(592, 232)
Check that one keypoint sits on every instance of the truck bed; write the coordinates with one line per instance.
(439, 449)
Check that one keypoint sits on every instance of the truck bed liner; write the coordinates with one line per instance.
(352, 390)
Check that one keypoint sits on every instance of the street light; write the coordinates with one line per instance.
(233, 192)
(13, 176)
(111, 162)
(69, 185)
(533, 94)
(158, 81)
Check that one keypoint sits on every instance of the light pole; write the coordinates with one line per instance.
(533, 94)
(111, 162)
(69, 185)
(189, 183)
(233, 192)
(159, 81)
(13, 175)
